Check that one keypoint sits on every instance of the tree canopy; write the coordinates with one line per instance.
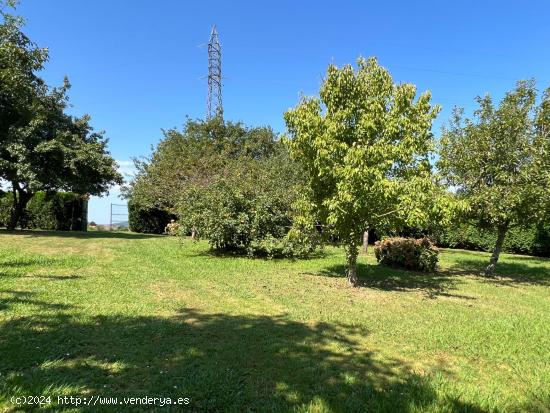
(42, 148)
(193, 156)
(499, 161)
(365, 145)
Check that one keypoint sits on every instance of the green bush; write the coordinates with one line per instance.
(61, 211)
(541, 245)
(531, 241)
(233, 217)
(147, 220)
(5, 209)
(172, 228)
(248, 207)
(409, 253)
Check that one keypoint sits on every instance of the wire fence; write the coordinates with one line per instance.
(118, 217)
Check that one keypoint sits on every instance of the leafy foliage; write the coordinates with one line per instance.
(365, 146)
(533, 240)
(41, 147)
(191, 156)
(148, 220)
(248, 206)
(499, 162)
(409, 253)
(6, 203)
(60, 211)
(230, 184)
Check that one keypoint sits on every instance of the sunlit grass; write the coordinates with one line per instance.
(134, 315)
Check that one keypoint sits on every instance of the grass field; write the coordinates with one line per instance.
(133, 315)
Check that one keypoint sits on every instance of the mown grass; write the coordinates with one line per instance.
(133, 315)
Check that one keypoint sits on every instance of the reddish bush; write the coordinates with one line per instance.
(409, 253)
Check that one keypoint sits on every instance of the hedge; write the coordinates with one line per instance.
(61, 211)
(147, 220)
(530, 241)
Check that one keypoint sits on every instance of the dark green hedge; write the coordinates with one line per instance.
(530, 241)
(61, 211)
(152, 221)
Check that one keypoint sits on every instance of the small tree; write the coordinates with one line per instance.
(499, 162)
(365, 146)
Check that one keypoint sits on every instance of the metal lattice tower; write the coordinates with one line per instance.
(214, 103)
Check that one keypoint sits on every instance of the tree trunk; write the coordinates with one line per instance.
(489, 271)
(20, 200)
(84, 217)
(351, 256)
(366, 240)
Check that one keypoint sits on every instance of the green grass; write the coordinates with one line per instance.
(132, 315)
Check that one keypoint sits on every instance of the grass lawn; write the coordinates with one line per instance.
(133, 315)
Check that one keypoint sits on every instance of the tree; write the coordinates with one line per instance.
(499, 162)
(233, 185)
(41, 147)
(193, 156)
(365, 147)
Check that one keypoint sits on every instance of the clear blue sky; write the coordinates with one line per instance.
(135, 66)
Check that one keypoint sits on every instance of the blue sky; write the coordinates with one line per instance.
(136, 67)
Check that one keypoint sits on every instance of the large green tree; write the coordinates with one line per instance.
(365, 146)
(42, 148)
(233, 185)
(193, 156)
(499, 162)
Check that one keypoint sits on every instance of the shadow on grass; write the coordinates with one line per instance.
(380, 277)
(11, 298)
(51, 277)
(241, 253)
(528, 271)
(79, 235)
(24, 267)
(221, 362)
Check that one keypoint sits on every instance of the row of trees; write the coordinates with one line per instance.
(42, 148)
(366, 145)
(360, 156)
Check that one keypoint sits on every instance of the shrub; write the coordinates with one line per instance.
(234, 217)
(147, 220)
(5, 209)
(173, 228)
(532, 240)
(409, 253)
(61, 211)
(248, 207)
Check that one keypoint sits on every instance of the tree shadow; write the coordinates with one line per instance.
(379, 277)
(221, 362)
(19, 262)
(242, 253)
(527, 272)
(11, 298)
(23, 267)
(51, 277)
(79, 235)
